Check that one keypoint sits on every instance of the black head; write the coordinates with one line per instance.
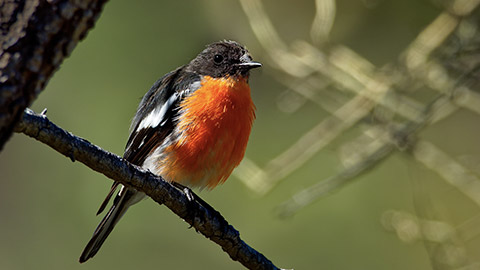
(224, 58)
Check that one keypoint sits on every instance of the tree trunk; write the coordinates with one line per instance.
(36, 35)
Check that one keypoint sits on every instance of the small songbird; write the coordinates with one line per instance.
(191, 128)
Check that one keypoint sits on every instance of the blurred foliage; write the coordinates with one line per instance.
(341, 81)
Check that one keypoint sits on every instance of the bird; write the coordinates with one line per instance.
(191, 128)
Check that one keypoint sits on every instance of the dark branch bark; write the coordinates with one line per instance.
(35, 37)
(205, 220)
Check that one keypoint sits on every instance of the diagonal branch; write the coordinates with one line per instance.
(206, 220)
(402, 138)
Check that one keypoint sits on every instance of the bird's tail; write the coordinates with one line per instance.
(120, 205)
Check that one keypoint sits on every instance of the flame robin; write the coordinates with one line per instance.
(191, 128)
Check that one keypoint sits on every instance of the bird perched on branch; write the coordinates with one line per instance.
(191, 128)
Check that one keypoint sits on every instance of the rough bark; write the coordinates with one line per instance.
(36, 35)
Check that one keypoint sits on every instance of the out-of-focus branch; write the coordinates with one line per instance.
(384, 144)
(453, 172)
(346, 70)
(443, 242)
(35, 37)
(207, 221)
(323, 22)
(324, 187)
(433, 77)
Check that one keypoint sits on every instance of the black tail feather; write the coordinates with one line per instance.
(107, 199)
(119, 207)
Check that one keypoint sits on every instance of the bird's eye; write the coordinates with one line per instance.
(218, 58)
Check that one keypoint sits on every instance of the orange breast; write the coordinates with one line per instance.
(214, 123)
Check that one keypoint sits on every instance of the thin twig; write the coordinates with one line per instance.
(208, 222)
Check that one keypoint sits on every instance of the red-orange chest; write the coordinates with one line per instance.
(214, 126)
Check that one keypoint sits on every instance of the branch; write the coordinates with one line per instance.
(35, 37)
(207, 221)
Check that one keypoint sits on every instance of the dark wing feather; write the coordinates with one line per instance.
(141, 142)
(169, 89)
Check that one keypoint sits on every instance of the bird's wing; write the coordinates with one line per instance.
(156, 117)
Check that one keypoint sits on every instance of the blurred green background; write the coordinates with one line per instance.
(48, 203)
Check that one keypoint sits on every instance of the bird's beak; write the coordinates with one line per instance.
(250, 65)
